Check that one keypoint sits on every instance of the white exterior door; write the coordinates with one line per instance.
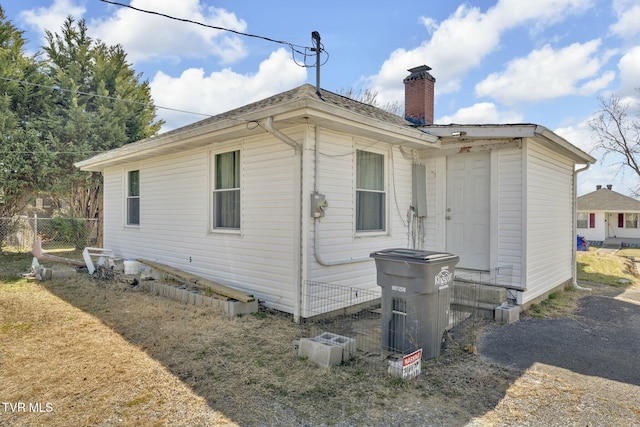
(467, 216)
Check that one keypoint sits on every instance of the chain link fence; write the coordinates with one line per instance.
(17, 234)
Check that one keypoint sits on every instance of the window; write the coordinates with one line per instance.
(370, 195)
(583, 220)
(226, 190)
(133, 197)
(631, 220)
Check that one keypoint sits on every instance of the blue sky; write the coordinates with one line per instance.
(495, 61)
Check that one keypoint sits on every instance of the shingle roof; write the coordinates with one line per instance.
(607, 200)
(305, 91)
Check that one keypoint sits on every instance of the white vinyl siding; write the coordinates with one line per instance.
(338, 238)
(176, 218)
(549, 218)
(510, 215)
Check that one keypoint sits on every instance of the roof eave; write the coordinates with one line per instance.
(579, 155)
(459, 132)
(296, 112)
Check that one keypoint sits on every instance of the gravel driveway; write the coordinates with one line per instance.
(583, 370)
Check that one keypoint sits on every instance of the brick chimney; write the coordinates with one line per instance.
(419, 96)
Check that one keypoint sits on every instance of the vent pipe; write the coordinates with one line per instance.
(317, 48)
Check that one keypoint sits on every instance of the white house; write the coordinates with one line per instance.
(604, 214)
(302, 186)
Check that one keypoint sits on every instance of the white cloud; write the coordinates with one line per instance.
(580, 135)
(222, 90)
(151, 37)
(51, 18)
(483, 112)
(629, 66)
(628, 12)
(460, 42)
(547, 73)
(145, 36)
(606, 174)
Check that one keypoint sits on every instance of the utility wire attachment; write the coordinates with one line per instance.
(295, 49)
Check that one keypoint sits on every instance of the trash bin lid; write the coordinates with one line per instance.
(414, 255)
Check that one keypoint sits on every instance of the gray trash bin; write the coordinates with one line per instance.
(416, 296)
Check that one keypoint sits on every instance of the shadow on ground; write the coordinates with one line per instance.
(248, 369)
(602, 339)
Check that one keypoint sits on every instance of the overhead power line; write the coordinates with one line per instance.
(305, 51)
(129, 101)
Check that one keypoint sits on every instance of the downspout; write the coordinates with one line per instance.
(575, 230)
(316, 221)
(268, 125)
(301, 234)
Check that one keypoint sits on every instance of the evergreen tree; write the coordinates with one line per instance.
(102, 104)
(25, 162)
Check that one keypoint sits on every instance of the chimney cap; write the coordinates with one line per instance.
(419, 68)
(598, 187)
(420, 72)
(609, 186)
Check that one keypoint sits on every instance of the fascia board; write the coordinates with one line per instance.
(579, 155)
(299, 111)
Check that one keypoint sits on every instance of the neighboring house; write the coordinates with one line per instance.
(604, 214)
(302, 186)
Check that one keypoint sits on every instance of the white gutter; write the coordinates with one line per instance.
(268, 125)
(575, 231)
(316, 222)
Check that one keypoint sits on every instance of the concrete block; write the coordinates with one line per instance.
(231, 308)
(347, 344)
(507, 313)
(492, 294)
(321, 352)
(238, 308)
(476, 292)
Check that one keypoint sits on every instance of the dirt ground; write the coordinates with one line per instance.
(87, 353)
(578, 368)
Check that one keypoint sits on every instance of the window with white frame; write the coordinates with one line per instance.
(583, 220)
(370, 192)
(133, 197)
(226, 190)
(630, 220)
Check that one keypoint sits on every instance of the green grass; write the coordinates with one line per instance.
(605, 269)
(629, 253)
(554, 303)
(12, 265)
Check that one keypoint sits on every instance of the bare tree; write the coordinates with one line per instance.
(369, 96)
(617, 129)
